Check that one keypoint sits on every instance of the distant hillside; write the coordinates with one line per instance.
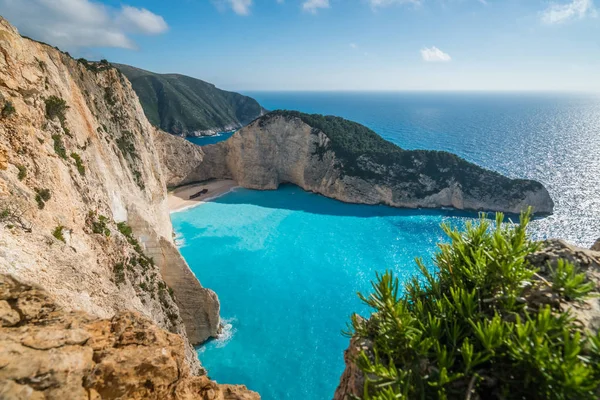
(187, 106)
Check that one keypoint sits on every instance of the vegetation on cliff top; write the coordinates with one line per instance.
(180, 104)
(356, 146)
(482, 326)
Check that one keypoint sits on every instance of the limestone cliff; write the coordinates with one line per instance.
(49, 353)
(82, 196)
(349, 162)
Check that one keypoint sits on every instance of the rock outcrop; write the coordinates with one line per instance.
(49, 353)
(82, 197)
(348, 162)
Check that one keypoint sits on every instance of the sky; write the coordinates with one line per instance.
(249, 45)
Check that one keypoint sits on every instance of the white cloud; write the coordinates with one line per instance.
(354, 45)
(240, 7)
(575, 9)
(313, 5)
(142, 20)
(433, 54)
(387, 3)
(72, 24)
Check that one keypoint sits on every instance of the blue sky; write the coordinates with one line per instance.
(333, 44)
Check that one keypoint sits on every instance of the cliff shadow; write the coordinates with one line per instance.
(292, 197)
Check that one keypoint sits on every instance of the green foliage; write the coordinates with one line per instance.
(78, 163)
(471, 329)
(94, 66)
(41, 197)
(126, 231)
(109, 96)
(58, 233)
(180, 104)
(98, 223)
(59, 147)
(568, 282)
(56, 107)
(126, 143)
(22, 172)
(119, 273)
(7, 110)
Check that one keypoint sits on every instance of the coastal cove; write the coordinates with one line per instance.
(287, 263)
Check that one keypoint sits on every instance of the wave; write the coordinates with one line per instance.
(226, 333)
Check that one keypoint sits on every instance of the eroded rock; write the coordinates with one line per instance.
(57, 354)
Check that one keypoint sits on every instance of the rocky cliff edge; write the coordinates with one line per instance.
(82, 197)
(49, 353)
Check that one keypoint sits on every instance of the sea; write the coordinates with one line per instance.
(287, 264)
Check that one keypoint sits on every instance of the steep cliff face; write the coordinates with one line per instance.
(347, 161)
(49, 353)
(82, 197)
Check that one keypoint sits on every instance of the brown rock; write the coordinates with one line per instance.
(352, 381)
(8, 316)
(596, 245)
(55, 354)
(3, 159)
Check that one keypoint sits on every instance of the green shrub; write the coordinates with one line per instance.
(474, 329)
(568, 282)
(125, 230)
(109, 96)
(7, 110)
(22, 172)
(56, 107)
(119, 273)
(58, 233)
(99, 225)
(126, 144)
(59, 147)
(78, 163)
(41, 197)
(128, 233)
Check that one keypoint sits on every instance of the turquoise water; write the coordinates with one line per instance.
(287, 264)
(206, 140)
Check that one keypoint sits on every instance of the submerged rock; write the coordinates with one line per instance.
(49, 353)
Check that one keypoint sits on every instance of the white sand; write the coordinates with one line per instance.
(179, 199)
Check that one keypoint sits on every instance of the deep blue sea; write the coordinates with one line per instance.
(287, 264)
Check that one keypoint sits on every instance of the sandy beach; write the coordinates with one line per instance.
(179, 198)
